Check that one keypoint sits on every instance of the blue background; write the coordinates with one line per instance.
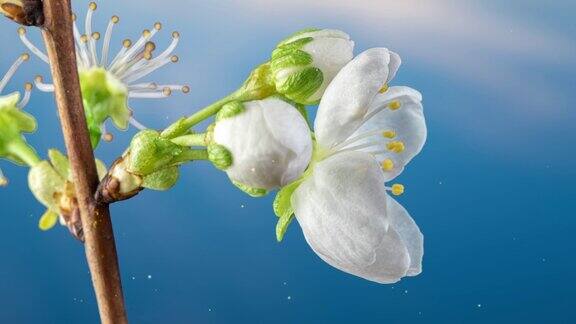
(493, 190)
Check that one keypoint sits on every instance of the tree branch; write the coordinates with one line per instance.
(99, 237)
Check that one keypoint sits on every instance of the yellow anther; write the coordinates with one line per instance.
(150, 46)
(84, 38)
(21, 31)
(389, 134)
(185, 89)
(394, 105)
(147, 56)
(157, 26)
(397, 189)
(25, 56)
(175, 34)
(28, 86)
(384, 88)
(166, 91)
(115, 19)
(396, 146)
(387, 165)
(92, 6)
(146, 32)
(174, 59)
(39, 78)
(107, 137)
(96, 35)
(127, 43)
(74, 17)
(3, 181)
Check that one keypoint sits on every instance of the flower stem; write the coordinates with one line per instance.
(191, 140)
(180, 127)
(192, 155)
(24, 152)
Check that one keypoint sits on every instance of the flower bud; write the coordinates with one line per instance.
(269, 142)
(304, 64)
(150, 152)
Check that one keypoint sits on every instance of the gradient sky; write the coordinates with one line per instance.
(493, 190)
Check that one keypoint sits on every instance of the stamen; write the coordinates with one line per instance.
(107, 37)
(389, 134)
(106, 136)
(3, 179)
(397, 189)
(396, 146)
(44, 87)
(136, 124)
(88, 29)
(27, 94)
(12, 70)
(31, 47)
(126, 44)
(394, 105)
(378, 132)
(82, 54)
(387, 165)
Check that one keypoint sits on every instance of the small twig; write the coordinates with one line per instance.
(99, 237)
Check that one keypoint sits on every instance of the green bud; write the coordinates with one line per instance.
(219, 156)
(229, 110)
(149, 152)
(162, 180)
(253, 192)
(282, 226)
(304, 64)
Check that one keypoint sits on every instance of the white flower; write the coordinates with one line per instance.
(109, 81)
(304, 64)
(366, 133)
(269, 141)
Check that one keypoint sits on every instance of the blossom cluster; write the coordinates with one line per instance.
(334, 175)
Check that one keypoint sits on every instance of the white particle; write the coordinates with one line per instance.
(149, 276)
(289, 297)
(284, 283)
(543, 259)
(133, 278)
(209, 309)
(479, 305)
(406, 291)
(242, 206)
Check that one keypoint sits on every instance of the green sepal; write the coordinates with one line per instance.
(162, 180)
(60, 163)
(149, 152)
(230, 110)
(301, 85)
(220, 156)
(282, 203)
(13, 123)
(282, 226)
(252, 192)
(48, 220)
(297, 35)
(104, 97)
(258, 85)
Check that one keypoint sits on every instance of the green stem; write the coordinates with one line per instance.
(191, 140)
(191, 155)
(24, 152)
(183, 125)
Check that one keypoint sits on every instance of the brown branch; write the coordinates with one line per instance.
(99, 237)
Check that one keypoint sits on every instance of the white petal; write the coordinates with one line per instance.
(347, 98)
(409, 232)
(407, 122)
(270, 143)
(330, 55)
(342, 211)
